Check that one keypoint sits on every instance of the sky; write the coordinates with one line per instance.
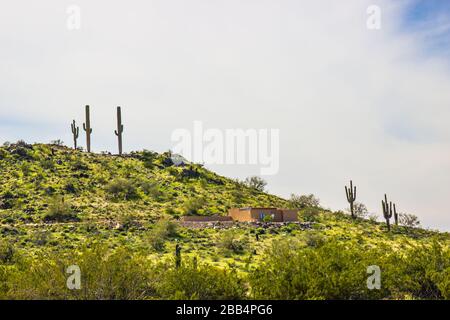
(350, 102)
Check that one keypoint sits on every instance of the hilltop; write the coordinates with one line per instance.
(61, 203)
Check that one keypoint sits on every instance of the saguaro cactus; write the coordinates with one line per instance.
(395, 215)
(76, 133)
(177, 255)
(387, 211)
(119, 130)
(351, 197)
(88, 129)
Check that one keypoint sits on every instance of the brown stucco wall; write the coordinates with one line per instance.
(241, 215)
(205, 218)
(277, 215)
(290, 215)
(254, 214)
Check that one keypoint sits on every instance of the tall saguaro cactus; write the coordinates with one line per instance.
(119, 130)
(387, 211)
(88, 129)
(395, 215)
(177, 256)
(351, 197)
(75, 133)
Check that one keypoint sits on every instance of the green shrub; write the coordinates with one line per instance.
(48, 164)
(121, 188)
(148, 157)
(162, 230)
(6, 253)
(314, 239)
(409, 220)
(338, 270)
(59, 210)
(201, 282)
(256, 183)
(291, 271)
(105, 275)
(303, 201)
(194, 205)
(151, 189)
(310, 214)
(232, 240)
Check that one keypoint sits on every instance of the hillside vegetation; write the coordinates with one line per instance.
(116, 218)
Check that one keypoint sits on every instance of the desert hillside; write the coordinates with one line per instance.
(117, 218)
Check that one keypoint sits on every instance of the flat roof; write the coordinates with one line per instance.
(267, 208)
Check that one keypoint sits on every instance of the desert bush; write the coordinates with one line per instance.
(59, 210)
(422, 272)
(256, 183)
(338, 270)
(47, 164)
(151, 189)
(121, 188)
(359, 210)
(6, 253)
(303, 201)
(57, 142)
(162, 230)
(232, 240)
(105, 275)
(194, 205)
(148, 157)
(71, 186)
(291, 271)
(408, 220)
(128, 222)
(79, 165)
(201, 282)
(314, 239)
(310, 214)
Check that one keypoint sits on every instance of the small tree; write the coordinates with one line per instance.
(303, 201)
(359, 210)
(194, 205)
(162, 230)
(267, 218)
(408, 220)
(57, 142)
(59, 210)
(256, 183)
(232, 240)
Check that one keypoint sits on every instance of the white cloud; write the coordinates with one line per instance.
(349, 102)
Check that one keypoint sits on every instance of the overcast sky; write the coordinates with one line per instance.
(350, 102)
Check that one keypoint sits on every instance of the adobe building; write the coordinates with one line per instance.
(214, 218)
(258, 214)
